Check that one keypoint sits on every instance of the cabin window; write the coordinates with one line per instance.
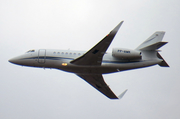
(70, 53)
(66, 53)
(74, 53)
(58, 52)
(62, 53)
(79, 53)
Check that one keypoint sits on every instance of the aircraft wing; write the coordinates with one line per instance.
(94, 55)
(98, 82)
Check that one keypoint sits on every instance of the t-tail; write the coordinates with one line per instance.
(152, 44)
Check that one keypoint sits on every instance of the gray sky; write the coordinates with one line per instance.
(35, 93)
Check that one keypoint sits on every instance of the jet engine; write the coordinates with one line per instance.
(126, 54)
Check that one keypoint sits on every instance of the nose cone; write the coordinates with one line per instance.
(16, 60)
(13, 60)
(27, 59)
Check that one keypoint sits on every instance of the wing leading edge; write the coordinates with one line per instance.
(94, 55)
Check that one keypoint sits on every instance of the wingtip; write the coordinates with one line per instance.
(122, 94)
(121, 22)
(117, 27)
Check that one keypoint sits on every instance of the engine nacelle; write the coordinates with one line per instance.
(126, 54)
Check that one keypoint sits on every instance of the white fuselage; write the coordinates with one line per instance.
(60, 59)
(92, 64)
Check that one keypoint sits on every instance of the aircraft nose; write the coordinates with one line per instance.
(13, 60)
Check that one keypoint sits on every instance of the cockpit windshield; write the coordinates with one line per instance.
(30, 51)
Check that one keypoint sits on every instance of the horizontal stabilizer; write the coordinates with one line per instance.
(122, 94)
(153, 42)
(154, 46)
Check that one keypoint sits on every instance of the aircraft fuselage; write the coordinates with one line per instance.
(60, 59)
(92, 64)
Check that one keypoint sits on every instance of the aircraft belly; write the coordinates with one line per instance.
(88, 70)
(106, 67)
(103, 69)
(131, 65)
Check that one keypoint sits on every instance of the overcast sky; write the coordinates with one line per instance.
(35, 93)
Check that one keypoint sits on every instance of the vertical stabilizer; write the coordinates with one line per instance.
(149, 47)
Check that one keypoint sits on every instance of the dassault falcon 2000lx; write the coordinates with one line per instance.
(92, 64)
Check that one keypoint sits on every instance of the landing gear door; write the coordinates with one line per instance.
(42, 56)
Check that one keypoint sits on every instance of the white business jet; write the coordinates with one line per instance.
(92, 64)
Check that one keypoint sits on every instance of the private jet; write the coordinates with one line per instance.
(91, 65)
